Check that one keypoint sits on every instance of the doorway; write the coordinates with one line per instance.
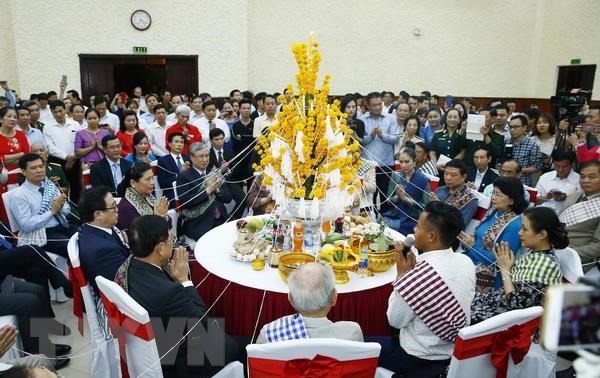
(575, 76)
(121, 73)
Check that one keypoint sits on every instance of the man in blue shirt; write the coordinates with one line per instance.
(381, 134)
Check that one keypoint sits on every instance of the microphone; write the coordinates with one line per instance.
(409, 241)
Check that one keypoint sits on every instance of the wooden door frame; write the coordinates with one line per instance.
(138, 56)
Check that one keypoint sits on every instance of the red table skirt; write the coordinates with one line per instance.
(240, 305)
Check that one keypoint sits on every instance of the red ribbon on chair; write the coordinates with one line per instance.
(120, 324)
(78, 281)
(13, 178)
(514, 341)
(318, 367)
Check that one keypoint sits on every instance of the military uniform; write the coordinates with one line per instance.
(450, 146)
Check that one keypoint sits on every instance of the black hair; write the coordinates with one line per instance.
(520, 117)
(158, 107)
(145, 233)
(98, 100)
(501, 106)
(588, 164)
(108, 138)
(42, 96)
(171, 136)
(138, 137)
(226, 102)
(485, 108)
(134, 173)
(457, 163)
(409, 151)
(77, 104)
(424, 147)
(548, 118)
(434, 109)
(152, 95)
(208, 103)
(545, 219)
(29, 103)
(128, 113)
(345, 101)
(91, 110)
(260, 96)
(446, 220)
(215, 133)
(457, 112)
(247, 95)
(403, 94)
(371, 96)
(245, 101)
(56, 103)
(91, 201)
(513, 189)
(532, 112)
(129, 102)
(270, 96)
(411, 118)
(52, 93)
(74, 93)
(233, 92)
(562, 154)
(21, 107)
(488, 154)
(205, 95)
(420, 99)
(27, 158)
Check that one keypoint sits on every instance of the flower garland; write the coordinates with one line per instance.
(309, 153)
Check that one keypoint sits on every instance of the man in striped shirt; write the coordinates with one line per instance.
(432, 294)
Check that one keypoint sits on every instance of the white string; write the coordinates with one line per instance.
(262, 302)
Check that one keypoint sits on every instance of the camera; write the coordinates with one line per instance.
(508, 152)
(569, 103)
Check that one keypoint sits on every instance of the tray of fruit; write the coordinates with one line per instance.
(254, 239)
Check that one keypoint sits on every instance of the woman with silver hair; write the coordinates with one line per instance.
(190, 132)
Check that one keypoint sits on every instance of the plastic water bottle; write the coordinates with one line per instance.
(363, 264)
(308, 241)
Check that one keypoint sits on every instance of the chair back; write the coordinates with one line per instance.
(12, 181)
(233, 369)
(533, 192)
(104, 359)
(476, 346)
(86, 179)
(483, 204)
(7, 200)
(340, 358)
(570, 264)
(130, 323)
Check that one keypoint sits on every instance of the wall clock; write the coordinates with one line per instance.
(141, 20)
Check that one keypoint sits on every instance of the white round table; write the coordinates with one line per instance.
(213, 252)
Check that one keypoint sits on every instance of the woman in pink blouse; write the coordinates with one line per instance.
(88, 142)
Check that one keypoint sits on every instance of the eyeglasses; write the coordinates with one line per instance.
(113, 207)
(514, 127)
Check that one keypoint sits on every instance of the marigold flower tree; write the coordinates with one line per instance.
(308, 154)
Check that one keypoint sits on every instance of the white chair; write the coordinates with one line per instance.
(57, 295)
(357, 359)
(570, 264)
(13, 179)
(233, 369)
(104, 358)
(158, 192)
(13, 352)
(483, 204)
(140, 354)
(472, 357)
(86, 179)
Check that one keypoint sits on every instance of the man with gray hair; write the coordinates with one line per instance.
(312, 293)
(191, 134)
(202, 194)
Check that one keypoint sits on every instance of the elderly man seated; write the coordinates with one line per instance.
(312, 294)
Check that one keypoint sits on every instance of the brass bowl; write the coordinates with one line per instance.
(340, 271)
(291, 261)
(381, 261)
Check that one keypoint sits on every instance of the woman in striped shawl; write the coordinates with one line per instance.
(525, 280)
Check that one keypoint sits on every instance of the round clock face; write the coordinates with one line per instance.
(141, 20)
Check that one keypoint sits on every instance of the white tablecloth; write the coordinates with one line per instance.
(213, 252)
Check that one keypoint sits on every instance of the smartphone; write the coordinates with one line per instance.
(591, 128)
(123, 97)
(63, 80)
(571, 319)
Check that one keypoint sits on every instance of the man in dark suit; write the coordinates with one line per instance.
(224, 161)
(158, 279)
(169, 166)
(202, 194)
(102, 247)
(111, 169)
(481, 175)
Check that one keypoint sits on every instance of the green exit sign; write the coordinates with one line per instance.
(139, 49)
(576, 61)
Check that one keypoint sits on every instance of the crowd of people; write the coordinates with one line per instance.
(421, 173)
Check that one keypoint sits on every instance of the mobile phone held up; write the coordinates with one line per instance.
(571, 318)
(591, 128)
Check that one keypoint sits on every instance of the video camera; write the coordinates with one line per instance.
(568, 104)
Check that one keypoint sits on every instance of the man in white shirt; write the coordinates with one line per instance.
(175, 102)
(210, 121)
(402, 113)
(196, 114)
(157, 131)
(268, 118)
(553, 187)
(60, 143)
(24, 124)
(45, 111)
(437, 275)
(106, 117)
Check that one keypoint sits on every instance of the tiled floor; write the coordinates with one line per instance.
(79, 365)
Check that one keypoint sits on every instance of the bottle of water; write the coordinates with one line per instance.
(363, 264)
(308, 241)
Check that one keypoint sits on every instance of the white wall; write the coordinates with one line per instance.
(51, 34)
(507, 48)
